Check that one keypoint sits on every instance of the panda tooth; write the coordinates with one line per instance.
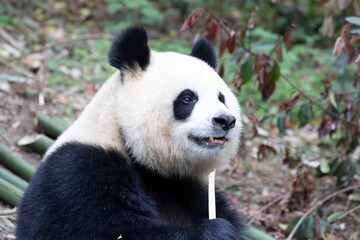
(211, 140)
(223, 140)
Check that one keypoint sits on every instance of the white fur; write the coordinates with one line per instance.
(142, 110)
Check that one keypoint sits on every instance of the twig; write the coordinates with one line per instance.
(316, 104)
(18, 45)
(18, 69)
(357, 219)
(279, 198)
(349, 212)
(21, 14)
(8, 212)
(316, 206)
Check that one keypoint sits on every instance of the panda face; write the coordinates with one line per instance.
(179, 116)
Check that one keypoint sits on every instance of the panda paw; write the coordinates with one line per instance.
(217, 229)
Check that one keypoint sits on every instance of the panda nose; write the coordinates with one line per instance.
(226, 122)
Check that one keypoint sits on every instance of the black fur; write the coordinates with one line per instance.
(184, 104)
(83, 192)
(204, 50)
(130, 49)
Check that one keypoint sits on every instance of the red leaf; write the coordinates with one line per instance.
(237, 82)
(221, 71)
(287, 105)
(243, 33)
(241, 56)
(265, 59)
(211, 31)
(250, 106)
(222, 48)
(326, 127)
(344, 30)
(356, 79)
(327, 27)
(278, 51)
(288, 41)
(231, 41)
(208, 20)
(266, 87)
(339, 47)
(192, 19)
(91, 89)
(264, 151)
(186, 25)
(327, 86)
(251, 24)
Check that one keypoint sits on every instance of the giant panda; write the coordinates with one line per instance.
(134, 164)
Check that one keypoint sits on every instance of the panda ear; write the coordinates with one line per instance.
(204, 50)
(129, 49)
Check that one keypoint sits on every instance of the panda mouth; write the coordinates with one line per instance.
(209, 142)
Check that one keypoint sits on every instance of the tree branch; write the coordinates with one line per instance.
(279, 198)
(317, 104)
(316, 206)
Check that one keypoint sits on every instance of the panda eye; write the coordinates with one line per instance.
(187, 99)
(221, 98)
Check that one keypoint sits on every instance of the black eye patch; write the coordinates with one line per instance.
(221, 98)
(184, 104)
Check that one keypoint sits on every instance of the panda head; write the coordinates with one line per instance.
(176, 115)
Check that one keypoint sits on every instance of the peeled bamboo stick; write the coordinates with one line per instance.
(52, 127)
(212, 207)
(38, 143)
(14, 180)
(9, 193)
(16, 163)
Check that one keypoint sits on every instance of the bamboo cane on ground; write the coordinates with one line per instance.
(16, 163)
(14, 180)
(9, 193)
(37, 143)
(52, 126)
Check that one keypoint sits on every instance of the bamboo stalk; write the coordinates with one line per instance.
(52, 127)
(37, 143)
(16, 163)
(14, 180)
(9, 193)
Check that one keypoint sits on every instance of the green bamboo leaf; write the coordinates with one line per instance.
(305, 230)
(246, 71)
(335, 216)
(353, 20)
(281, 123)
(333, 100)
(275, 72)
(304, 114)
(324, 166)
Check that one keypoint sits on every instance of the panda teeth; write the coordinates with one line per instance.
(217, 140)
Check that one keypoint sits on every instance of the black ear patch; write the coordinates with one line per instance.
(129, 49)
(204, 50)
